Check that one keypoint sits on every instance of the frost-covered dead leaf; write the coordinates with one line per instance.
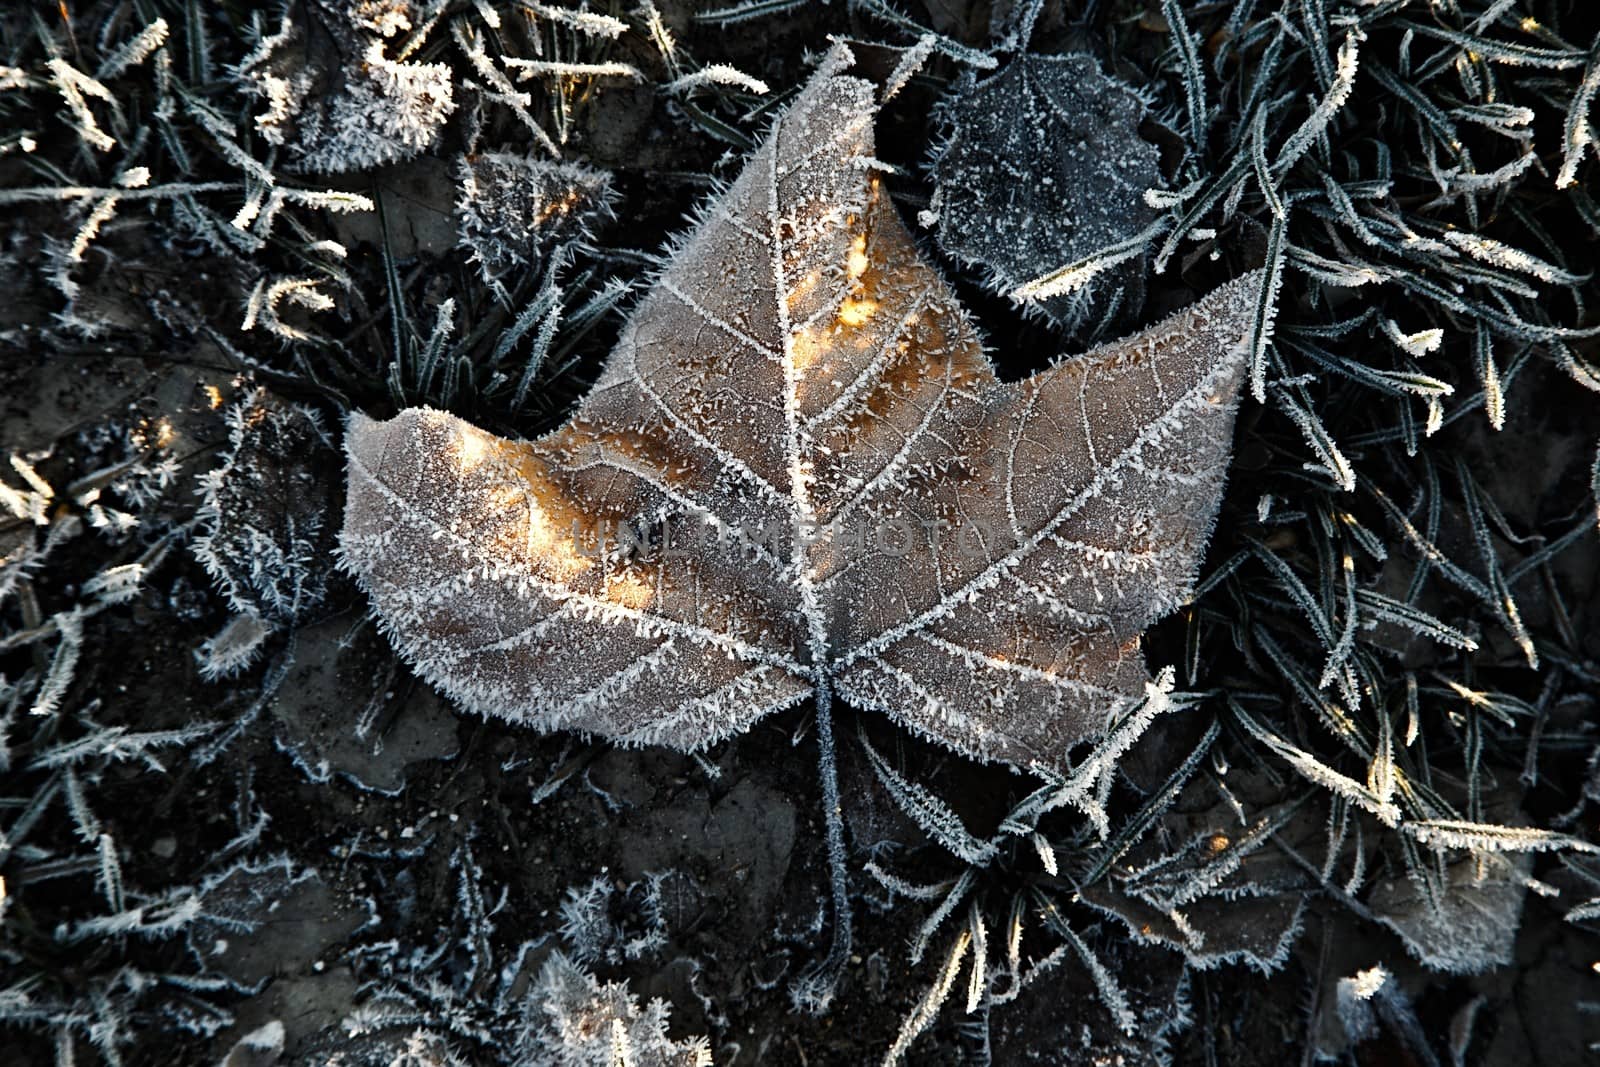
(512, 209)
(1470, 926)
(263, 534)
(797, 476)
(1044, 168)
(334, 96)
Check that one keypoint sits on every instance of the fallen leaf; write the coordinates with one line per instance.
(1044, 168)
(798, 475)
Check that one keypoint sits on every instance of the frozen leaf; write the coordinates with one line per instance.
(798, 475)
(333, 95)
(1471, 925)
(264, 537)
(1044, 168)
(512, 209)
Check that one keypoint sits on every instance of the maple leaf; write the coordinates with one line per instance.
(974, 558)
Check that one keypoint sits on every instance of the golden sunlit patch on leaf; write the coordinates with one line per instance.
(856, 263)
(855, 313)
(471, 448)
(629, 590)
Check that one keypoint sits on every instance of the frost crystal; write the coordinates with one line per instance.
(1469, 924)
(610, 924)
(1044, 168)
(512, 209)
(336, 99)
(589, 1024)
(799, 475)
(264, 536)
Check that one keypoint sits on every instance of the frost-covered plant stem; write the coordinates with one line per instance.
(815, 988)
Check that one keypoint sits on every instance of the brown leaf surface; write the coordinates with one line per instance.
(816, 480)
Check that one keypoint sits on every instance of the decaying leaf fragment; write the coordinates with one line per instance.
(1044, 167)
(797, 476)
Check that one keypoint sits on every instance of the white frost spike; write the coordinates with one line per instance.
(265, 300)
(1075, 276)
(1489, 837)
(535, 68)
(234, 647)
(660, 36)
(116, 585)
(797, 394)
(978, 979)
(109, 880)
(590, 1023)
(84, 821)
(586, 22)
(1413, 344)
(73, 85)
(1500, 254)
(99, 216)
(1577, 132)
(1105, 983)
(911, 61)
(27, 473)
(1047, 854)
(63, 665)
(1333, 100)
(1381, 774)
(491, 17)
(1318, 772)
(136, 51)
(719, 74)
(927, 1008)
(1594, 485)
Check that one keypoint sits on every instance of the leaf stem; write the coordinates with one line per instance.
(815, 989)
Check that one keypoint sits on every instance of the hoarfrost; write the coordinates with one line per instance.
(799, 386)
(512, 209)
(607, 923)
(264, 537)
(336, 99)
(588, 1024)
(1044, 168)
